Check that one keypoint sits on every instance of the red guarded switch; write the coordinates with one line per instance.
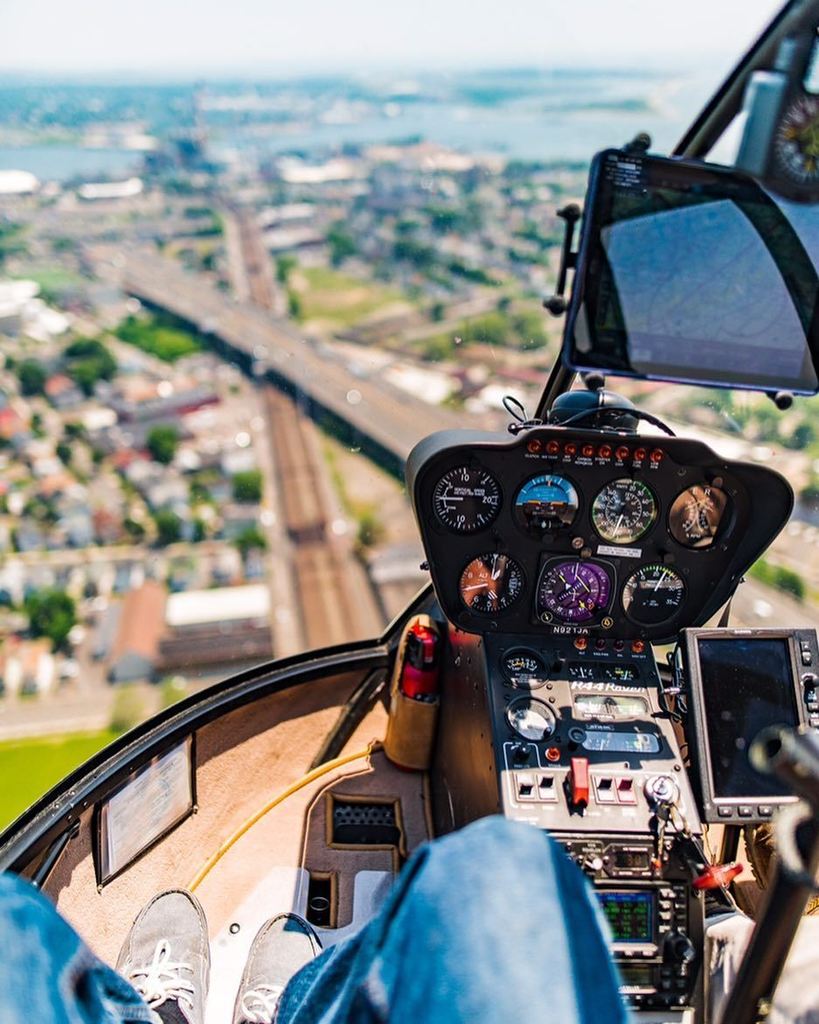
(579, 782)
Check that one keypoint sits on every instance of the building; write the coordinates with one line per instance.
(216, 630)
(139, 630)
(28, 666)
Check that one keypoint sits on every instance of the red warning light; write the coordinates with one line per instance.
(640, 454)
(604, 451)
(534, 446)
(570, 448)
(581, 643)
(587, 450)
(638, 646)
(657, 455)
(553, 447)
(622, 453)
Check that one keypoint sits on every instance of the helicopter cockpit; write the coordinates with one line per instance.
(572, 665)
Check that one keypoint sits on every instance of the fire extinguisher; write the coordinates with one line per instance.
(415, 696)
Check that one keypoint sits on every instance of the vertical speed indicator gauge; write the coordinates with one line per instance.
(624, 511)
(490, 583)
(466, 499)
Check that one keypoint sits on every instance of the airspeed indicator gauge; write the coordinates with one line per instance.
(466, 499)
(624, 511)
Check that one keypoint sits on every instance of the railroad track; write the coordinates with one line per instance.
(328, 579)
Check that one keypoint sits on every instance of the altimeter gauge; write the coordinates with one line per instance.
(624, 511)
(696, 514)
(653, 594)
(466, 499)
(490, 583)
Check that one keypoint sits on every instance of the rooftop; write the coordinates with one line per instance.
(224, 604)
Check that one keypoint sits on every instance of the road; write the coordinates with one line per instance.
(389, 418)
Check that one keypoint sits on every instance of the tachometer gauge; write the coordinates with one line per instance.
(531, 719)
(490, 583)
(545, 503)
(624, 511)
(796, 143)
(695, 515)
(653, 594)
(466, 500)
(524, 669)
(573, 592)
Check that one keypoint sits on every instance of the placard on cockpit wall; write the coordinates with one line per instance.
(144, 809)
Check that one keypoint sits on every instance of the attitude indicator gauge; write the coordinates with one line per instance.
(696, 515)
(531, 719)
(624, 511)
(490, 583)
(653, 594)
(466, 499)
(545, 503)
(572, 592)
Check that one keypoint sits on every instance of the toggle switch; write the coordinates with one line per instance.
(546, 790)
(625, 791)
(579, 782)
(526, 786)
(605, 791)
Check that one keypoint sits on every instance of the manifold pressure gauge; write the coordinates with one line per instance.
(531, 719)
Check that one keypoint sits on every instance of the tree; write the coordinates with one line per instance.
(162, 441)
(341, 244)
(250, 537)
(284, 264)
(51, 613)
(168, 526)
(134, 529)
(247, 486)
(89, 361)
(64, 452)
(32, 377)
(294, 306)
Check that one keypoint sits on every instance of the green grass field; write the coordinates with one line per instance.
(337, 298)
(30, 767)
(159, 337)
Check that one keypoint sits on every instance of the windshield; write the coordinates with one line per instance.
(247, 261)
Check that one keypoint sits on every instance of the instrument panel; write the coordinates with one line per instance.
(583, 531)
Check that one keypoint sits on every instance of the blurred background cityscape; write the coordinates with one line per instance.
(230, 304)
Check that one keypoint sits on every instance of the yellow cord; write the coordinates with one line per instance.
(305, 780)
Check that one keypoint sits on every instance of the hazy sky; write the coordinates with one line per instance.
(283, 36)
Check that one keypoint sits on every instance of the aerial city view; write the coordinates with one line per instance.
(228, 310)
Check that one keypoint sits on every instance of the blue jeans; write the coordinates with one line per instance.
(490, 924)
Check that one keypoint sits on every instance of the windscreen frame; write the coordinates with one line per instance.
(588, 281)
(696, 726)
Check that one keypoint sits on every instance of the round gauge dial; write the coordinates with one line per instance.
(546, 503)
(796, 142)
(466, 499)
(524, 669)
(624, 511)
(573, 591)
(653, 594)
(531, 719)
(490, 583)
(695, 515)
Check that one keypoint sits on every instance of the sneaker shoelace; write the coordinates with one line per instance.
(259, 1005)
(161, 980)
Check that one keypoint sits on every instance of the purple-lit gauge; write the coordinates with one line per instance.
(573, 592)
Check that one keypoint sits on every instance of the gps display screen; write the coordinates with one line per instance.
(630, 915)
(747, 684)
(694, 275)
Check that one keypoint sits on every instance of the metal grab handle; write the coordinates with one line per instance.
(794, 758)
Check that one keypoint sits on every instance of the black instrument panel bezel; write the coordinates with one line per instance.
(761, 501)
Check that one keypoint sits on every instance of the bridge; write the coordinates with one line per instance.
(370, 413)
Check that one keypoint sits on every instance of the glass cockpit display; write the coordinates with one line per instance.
(691, 273)
(746, 685)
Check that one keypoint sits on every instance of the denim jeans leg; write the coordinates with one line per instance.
(47, 973)
(490, 924)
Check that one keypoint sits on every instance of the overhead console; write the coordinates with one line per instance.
(581, 532)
